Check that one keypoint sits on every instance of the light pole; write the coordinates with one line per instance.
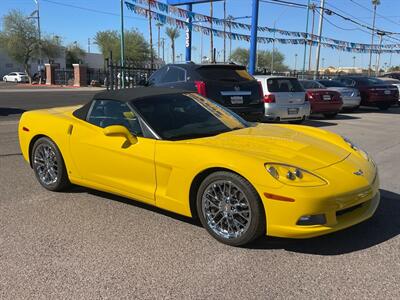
(158, 25)
(354, 63)
(312, 6)
(273, 42)
(321, 20)
(378, 57)
(295, 62)
(305, 42)
(122, 46)
(211, 33)
(323, 62)
(375, 3)
(224, 30)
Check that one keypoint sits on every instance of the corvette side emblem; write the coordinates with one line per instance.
(359, 172)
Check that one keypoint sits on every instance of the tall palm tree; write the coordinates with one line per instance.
(173, 34)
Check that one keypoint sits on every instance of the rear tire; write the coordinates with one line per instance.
(330, 115)
(230, 209)
(383, 106)
(49, 166)
(298, 122)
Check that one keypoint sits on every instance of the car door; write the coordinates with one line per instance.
(11, 77)
(111, 161)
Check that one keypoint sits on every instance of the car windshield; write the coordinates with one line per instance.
(368, 81)
(225, 73)
(276, 85)
(331, 83)
(311, 84)
(187, 116)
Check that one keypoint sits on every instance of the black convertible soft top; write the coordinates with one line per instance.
(127, 95)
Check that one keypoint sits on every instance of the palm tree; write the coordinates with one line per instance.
(173, 34)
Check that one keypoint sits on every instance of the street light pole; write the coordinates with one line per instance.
(305, 42)
(212, 33)
(378, 58)
(321, 20)
(313, 6)
(375, 3)
(295, 62)
(224, 30)
(122, 46)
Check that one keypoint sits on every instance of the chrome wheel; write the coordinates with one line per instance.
(45, 164)
(226, 209)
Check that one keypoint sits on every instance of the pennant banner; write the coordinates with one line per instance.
(165, 19)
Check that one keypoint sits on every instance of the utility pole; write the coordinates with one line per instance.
(378, 57)
(354, 63)
(375, 3)
(230, 18)
(224, 30)
(151, 37)
(295, 62)
(201, 46)
(212, 33)
(313, 6)
(163, 49)
(88, 43)
(273, 51)
(159, 25)
(122, 46)
(321, 20)
(305, 42)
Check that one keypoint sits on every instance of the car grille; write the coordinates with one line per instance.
(347, 210)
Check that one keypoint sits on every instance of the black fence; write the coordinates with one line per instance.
(127, 76)
(96, 76)
(64, 76)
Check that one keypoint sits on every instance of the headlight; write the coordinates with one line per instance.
(292, 175)
(353, 146)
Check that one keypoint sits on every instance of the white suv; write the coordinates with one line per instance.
(284, 99)
(16, 77)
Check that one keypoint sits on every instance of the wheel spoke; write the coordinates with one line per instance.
(226, 209)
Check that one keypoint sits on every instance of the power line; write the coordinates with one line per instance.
(90, 9)
(370, 10)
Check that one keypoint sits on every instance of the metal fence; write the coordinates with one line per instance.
(127, 76)
(64, 76)
(96, 76)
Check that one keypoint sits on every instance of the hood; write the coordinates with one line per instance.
(280, 144)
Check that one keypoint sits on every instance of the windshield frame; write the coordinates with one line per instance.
(159, 136)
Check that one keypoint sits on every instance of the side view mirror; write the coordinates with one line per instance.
(118, 130)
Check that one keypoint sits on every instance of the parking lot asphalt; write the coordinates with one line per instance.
(84, 244)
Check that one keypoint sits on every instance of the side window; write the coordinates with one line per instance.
(174, 74)
(109, 112)
(156, 77)
(12, 74)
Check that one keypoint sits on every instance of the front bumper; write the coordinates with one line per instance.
(276, 112)
(343, 203)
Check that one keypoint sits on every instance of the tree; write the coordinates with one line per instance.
(73, 54)
(394, 69)
(137, 49)
(264, 58)
(173, 34)
(51, 47)
(19, 38)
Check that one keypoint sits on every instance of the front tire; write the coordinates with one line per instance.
(383, 106)
(230, 209)
(330, 115)
(49, 166)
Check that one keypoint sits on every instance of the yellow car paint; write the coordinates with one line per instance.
(161, 173)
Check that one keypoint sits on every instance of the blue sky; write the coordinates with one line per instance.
(58, 17)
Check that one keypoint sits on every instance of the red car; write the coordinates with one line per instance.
(373, 91)
(322, 100)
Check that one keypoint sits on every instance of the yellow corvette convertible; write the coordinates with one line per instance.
(181, 152)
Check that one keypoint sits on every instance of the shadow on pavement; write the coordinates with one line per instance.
(383, 226)
(367, 109)
(6, 111)
(317, 123)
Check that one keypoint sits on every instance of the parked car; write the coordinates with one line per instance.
(322, 100)
(181, 152)
(373, 91)
(284, 99)
(228, 84)
(394, 75)
(350, 96)
(392, 81)
(16, 77)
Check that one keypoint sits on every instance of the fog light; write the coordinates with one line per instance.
(312, 220)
